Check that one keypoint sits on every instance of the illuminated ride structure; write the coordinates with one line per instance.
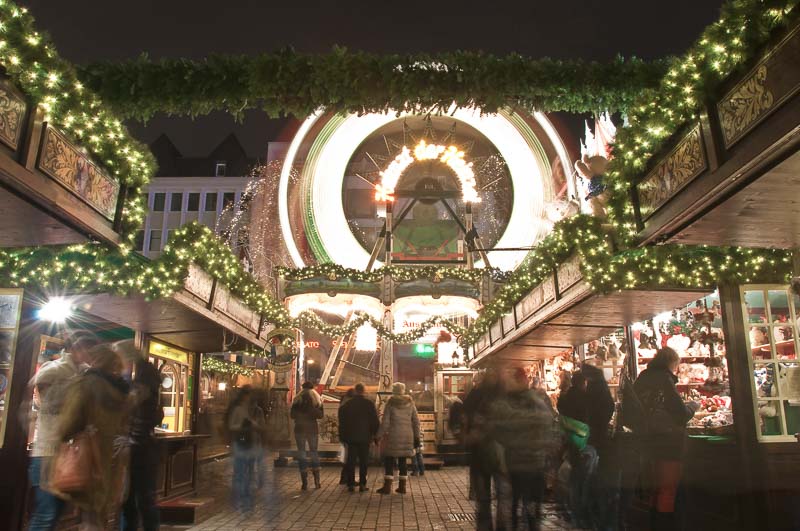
(461, 190)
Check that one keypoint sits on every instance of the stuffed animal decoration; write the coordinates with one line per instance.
(595, 155)
(593, 170)
(558, 210)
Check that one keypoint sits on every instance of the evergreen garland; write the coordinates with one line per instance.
(290, 82)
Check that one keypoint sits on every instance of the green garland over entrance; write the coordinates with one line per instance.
(290, 82)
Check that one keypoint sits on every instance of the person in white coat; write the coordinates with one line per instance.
(400, 430)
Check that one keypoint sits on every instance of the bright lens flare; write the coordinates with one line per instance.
(56, 310)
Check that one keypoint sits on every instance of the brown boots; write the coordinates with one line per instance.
(387, 485)
(316, 478)
(304, 479)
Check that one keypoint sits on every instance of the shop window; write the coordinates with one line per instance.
(177, 377)
(695, 333)
(211, 202)
(159, 199)
(176, 202)
(770, 314)
(193, 203)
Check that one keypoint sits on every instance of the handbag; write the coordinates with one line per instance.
(76, 465)
(577, 432)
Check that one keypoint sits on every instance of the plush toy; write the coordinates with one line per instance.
(593, 169)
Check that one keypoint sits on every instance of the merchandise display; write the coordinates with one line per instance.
(695, 333)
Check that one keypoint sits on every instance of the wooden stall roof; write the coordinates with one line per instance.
(766, 213)
(23, 224)
(580, 318)
(741, 186)
(179, 320)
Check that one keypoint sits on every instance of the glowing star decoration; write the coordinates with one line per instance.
(449, 155)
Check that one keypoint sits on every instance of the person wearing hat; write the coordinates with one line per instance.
(306, 411)
(51, 383)
(400, 428)
(146, 414)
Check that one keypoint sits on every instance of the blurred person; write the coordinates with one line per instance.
(484, 456)
(51, 383)
(97, 403)
(306, 411)
(146, 414)
(400, 428)
(245, 423)
(524, 426)
(601, 410)
(358, 426)
(663, 442)
(574, 406)
(343, 475)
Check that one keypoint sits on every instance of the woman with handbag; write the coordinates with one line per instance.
(664, 426)
(306, 411)
(90, 467)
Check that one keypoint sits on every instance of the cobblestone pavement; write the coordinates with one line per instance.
(437, 500)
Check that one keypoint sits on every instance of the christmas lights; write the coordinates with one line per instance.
(30, 60)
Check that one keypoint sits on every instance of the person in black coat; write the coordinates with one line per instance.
(358, 425)
(665, 416)
(146, 415)
(601, 406)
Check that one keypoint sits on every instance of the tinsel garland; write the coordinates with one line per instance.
(291, 82)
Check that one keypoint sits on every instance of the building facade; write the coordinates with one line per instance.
(204, 189)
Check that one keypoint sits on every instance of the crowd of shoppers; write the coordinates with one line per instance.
(97, 408)
(106, 398)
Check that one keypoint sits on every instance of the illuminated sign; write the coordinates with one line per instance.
(424, 350)
(312, 344)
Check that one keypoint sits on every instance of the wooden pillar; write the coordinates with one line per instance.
(752, 458)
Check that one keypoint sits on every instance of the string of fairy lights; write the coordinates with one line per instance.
(32, 63)
(724, 47)
(97, 268)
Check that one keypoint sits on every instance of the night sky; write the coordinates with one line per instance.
(92, 30)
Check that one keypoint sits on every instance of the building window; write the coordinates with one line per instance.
(155, 240)
(138, 241)
(771, 324)
(193, 204)
(220, 168)
(211, 202)
(227, 200)
(175, 202)
(159, 199)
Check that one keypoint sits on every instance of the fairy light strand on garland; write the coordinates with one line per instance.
(31, 61)
(95, 268)
(211, 364)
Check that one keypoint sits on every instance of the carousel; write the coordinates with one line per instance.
(408, 223)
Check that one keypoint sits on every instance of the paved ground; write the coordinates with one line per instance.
(437, 500)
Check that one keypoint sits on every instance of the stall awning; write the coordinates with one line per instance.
(181, 320)
(581, 317)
